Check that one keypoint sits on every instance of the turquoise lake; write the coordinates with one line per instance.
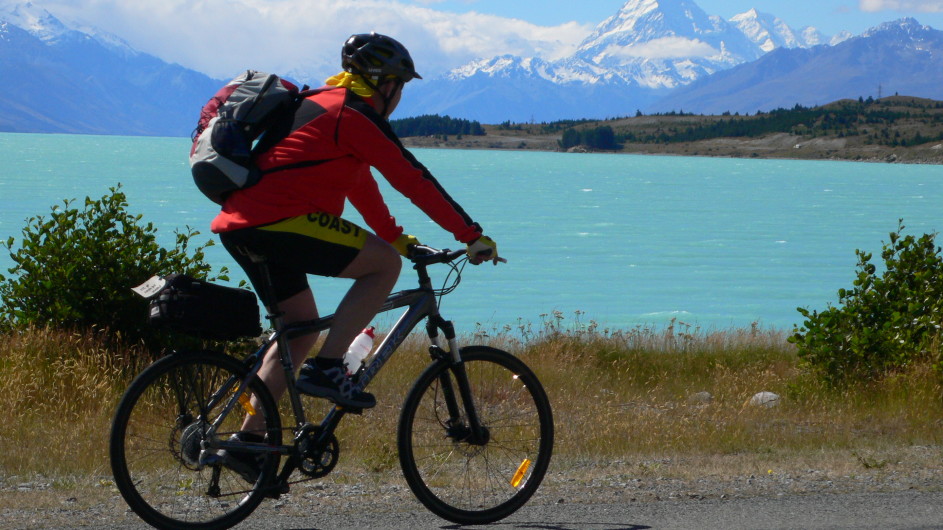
(624, 240)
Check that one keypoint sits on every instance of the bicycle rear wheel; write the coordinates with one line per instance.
(476, 483)
(158, 434)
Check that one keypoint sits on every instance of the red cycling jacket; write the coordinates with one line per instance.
(337, 136)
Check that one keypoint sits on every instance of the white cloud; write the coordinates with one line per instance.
(223, 37)
(664, 48)
(921, 6)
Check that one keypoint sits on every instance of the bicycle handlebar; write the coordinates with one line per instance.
(426, 255)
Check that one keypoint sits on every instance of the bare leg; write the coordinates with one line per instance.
(375, 271)
(298, 307)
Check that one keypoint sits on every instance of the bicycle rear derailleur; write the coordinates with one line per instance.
(318, 454)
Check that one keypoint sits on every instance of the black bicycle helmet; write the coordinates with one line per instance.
(377, 56)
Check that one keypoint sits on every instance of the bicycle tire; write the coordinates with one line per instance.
(155, 444)
(472, 484)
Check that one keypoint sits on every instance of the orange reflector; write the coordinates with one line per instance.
(246, 404)
(519, 474)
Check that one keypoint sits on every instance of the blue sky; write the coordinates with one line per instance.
(302, 38)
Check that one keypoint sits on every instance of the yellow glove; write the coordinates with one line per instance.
(483, 249)
(403, 242)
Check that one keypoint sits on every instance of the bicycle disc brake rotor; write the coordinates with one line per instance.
(464, 440)
(318, 460)
(190, 444)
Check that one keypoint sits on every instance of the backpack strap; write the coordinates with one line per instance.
(297, 165)
(282, 126)
(265, 144)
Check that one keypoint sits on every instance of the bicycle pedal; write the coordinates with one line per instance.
(350, 410)
(276, 491)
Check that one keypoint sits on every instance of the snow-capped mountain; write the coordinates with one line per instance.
(665, 37)
(46, 27)
(35, 20)
(902, 57)
(663, 55)
(650, 43)
(636, 56)
(840, 37)
(74, 79)
(652, 55)
(770, 32)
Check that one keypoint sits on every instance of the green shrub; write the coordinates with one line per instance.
(886, 321)
(75, 269)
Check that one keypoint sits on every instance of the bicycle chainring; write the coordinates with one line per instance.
(318, 459)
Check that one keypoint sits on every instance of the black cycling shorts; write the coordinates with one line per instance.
(317, 243)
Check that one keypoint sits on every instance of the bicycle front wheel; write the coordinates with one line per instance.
(469, 481)
(159, 433)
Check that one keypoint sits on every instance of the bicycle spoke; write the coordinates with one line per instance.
(475, 482)
(160, 435)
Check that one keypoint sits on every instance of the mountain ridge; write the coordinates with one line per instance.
(633, 59)
(651, 55)
(72, 81)
(899, 56)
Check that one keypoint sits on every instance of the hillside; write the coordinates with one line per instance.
(902, 57)
(63, 80)
(892, 129)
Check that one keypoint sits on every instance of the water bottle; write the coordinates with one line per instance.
(359, 350)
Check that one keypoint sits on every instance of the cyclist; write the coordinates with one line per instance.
(292, 218)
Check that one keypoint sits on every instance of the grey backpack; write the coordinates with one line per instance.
(246, 117)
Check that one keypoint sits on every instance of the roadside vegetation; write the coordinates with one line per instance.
(858, 385)
(644, 397)
(71, 270)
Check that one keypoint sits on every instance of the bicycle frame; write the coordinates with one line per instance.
(421, 304)
(180, 450)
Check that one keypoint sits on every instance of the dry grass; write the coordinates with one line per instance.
(622, 400)
(59, 390)
(636, 396)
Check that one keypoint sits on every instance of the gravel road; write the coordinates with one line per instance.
(898, 510)
(808, 500)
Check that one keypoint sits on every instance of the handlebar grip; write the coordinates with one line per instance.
(422, 254)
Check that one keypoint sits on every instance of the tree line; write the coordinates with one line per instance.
(874, 120)
(433, 125)
(851, 119)
(596, 138)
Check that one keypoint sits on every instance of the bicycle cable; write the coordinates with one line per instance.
(456, 268)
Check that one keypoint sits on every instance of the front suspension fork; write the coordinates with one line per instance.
(474, 432)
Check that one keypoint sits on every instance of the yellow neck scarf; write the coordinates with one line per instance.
(354, 82)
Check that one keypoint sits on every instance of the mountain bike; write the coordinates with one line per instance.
(475, 433)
